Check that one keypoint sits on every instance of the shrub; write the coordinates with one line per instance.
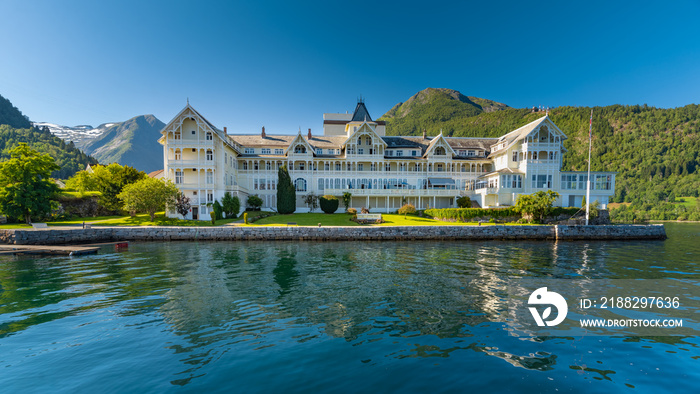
(347, 197)
(406, 209)
(231, 205)
(218, 210)
(311, 200)
(254, 202)
(351, 211)
(464, 202)
(245, 217)
(537, 205)
(329, 204)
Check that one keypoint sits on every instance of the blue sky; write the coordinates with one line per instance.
(283, 64)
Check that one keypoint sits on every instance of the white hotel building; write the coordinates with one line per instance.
(381, 172)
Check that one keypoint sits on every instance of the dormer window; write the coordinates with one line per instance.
(319, 151)
(300, 149)
(249, 151)
(440, 151)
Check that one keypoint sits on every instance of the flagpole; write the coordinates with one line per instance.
(588, 183)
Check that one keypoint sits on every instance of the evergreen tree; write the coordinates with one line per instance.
(286, 196)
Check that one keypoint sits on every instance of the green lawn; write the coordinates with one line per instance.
(12, 226)
(689, 202)
(79, 194)
(307, 219)
(343, 219)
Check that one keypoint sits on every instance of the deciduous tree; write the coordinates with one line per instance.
(148, 195)
(26, 188)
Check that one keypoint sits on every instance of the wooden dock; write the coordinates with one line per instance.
(61, 250)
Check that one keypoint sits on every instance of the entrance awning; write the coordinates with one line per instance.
(441, 181)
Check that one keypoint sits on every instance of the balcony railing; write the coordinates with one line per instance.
(395, 192)
(190, 163)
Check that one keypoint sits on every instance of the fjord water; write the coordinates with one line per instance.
(333, 317)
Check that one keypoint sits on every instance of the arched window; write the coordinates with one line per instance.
(300, 149)
(300, 185)
(210, 155)
(178, 154)
(440, 151)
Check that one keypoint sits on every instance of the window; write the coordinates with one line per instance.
(210, 155)
(279, 151)
(300, 185)
(462, 152)
(360, 151)
(301, 166)
(327, 166)
(440, 151)
(255, 165)
(178, 177)
(390, 153)
(249, 151)
(360, 167)
(319, 151)
(265, 151)
(551, 156)
(178, 155)
(515, 156)
(337, 166)
(351, 150)
(582, 180)
(471, 153)
(359, 141)
(568, 182)
(320, 184)
(245, 166)
(300, 149)
(210, 177)
(414, 153)
(268, 166)
(193, 132)
(542, 181)
(210, 137)
(602, 182)
(534, 155)
(177, 135)
(373, 167)
(439, 168)
(399, 153)
(369, 140)
(331, 151)
(387, 167)
(210, 197)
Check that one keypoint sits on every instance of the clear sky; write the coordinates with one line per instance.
(283, 64)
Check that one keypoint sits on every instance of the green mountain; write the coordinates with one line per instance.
(16, 128)
(133, 143)
(655, 151)
(435, 109)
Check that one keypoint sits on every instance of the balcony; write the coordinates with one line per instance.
(189, 143)
(396, 192)
(191, 163)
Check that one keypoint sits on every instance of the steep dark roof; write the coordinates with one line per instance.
(361, 114)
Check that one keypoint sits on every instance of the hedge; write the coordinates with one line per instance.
(329, 204)
(466, 214)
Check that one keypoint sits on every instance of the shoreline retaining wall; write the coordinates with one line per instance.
(106, 234)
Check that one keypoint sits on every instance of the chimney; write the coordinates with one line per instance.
(263, 132)
(425, 134)
(224, 129)
(309, 136)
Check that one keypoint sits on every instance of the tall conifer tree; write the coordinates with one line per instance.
(286, 196)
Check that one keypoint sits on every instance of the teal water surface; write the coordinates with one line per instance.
(326, 317)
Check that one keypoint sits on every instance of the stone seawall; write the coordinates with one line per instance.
(105, 234)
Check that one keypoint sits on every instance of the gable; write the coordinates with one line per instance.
(439, 145)
(301, 142)
(364, 130)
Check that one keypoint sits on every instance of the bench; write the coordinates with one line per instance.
(39, 225)
(292, 224)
